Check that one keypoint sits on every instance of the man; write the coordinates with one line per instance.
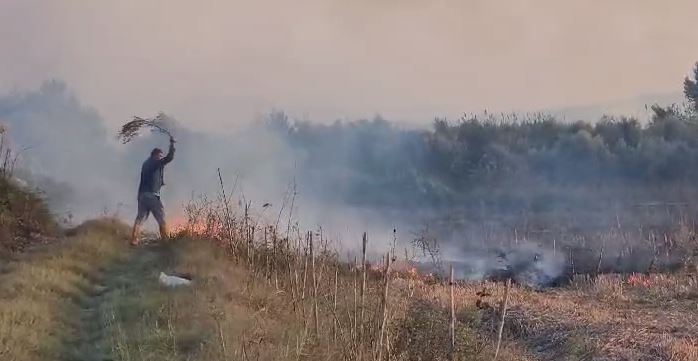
(149, 191)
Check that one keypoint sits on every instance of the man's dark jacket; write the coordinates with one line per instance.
(152, 173)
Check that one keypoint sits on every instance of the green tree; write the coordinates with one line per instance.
(690, 87)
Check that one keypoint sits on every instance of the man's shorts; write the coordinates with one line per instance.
(150, 203)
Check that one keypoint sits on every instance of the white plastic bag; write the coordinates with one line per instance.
(173, 281)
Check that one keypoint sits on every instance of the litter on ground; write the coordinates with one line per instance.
(173, 281)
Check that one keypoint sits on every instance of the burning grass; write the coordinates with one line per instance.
(347, 310)
(266, 295)
(633, 316)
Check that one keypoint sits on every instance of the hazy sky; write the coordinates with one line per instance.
(215, 62)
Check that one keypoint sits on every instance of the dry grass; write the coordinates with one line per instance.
(131, 129)
(232, 312)
(307, 304)
(608, 316)
(214, 319)
(40, 295)
(24, 218)
(228, 313)
(617, 317)
(258, 295)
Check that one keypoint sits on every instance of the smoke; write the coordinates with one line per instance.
(216, 67)
(66, 149)
(372, 176)
(527, 264)
(82, 169)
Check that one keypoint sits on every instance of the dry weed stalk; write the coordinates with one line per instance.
(364, 242)
(385, 306)
(312, 261)
(227, 216)
(452, 327)
(334, 304)
(8, 158)
(503, 312)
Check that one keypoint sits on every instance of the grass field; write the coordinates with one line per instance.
(91, 297)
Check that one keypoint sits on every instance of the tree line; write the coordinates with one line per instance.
(505, 157)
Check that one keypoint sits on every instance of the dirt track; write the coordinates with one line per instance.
(119, 280)
(58, 302)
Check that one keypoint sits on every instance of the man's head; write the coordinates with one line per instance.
(156, 153)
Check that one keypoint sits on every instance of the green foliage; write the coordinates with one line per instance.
(690, 87)
(454, 162)
(523, 159)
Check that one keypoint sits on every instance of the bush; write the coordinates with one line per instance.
(24, 217)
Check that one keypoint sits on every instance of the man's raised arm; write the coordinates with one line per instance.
(170, 154)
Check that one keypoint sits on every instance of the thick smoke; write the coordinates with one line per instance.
(481, 185)
(79, 164)
(527, 264)
(84, 172)
(65, 150)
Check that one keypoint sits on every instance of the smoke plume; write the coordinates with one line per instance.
(504, 199)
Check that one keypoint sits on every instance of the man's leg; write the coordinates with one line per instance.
(134, 233)
(164, 233)
(140, 217)
(159, 214)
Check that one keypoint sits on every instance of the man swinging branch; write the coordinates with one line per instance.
(152, 180)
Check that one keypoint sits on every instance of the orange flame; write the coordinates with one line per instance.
(639, 280)
(180, 225)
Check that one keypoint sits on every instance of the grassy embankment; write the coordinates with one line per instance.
(90, 297)
(237, 313)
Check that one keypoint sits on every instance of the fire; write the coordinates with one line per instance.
(177, 224)
(640, 280)
(398, 269)
(182, 225)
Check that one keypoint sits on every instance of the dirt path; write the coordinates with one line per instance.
(95, 339)
(92, 298)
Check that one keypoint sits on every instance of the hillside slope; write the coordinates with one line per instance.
(91, 297)
(24, 218)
